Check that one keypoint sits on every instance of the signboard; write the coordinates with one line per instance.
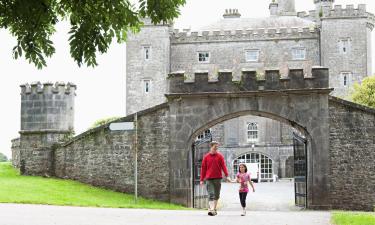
(122, 126)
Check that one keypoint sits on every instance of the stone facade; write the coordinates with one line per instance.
(105, 158)
(352, 155)
(339, 134)
(321, 34)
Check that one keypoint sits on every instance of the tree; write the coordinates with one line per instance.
(3, 158)
(94, 24)
(364, 93)
(104, 121)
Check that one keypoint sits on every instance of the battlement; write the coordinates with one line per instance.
(47, 107)
(250, 81)
(245, 34)
(48, 88)
(337, 12)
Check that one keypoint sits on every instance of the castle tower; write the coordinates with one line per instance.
(147, 66)
(47, 116)
(346, 45)
(286, 7)
(320, 4)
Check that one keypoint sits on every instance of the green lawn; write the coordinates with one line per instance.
(353, 218)
(52, 191)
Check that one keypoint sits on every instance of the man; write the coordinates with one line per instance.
(212, 166)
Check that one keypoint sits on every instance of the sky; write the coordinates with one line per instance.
(101, 90)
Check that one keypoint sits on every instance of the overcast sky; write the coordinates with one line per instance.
(101, 90)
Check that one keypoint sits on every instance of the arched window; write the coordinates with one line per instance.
(252, 132)
(265, 173)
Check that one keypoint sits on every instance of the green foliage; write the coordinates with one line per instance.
(3, 158)
(364, 94)
(53, 191)
(104, 121)
(353, 218)
(94, 24)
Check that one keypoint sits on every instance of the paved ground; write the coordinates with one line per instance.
(277, 196)
(271, 204)
(14, 214)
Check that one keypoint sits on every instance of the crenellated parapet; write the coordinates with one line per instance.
(47, 107)
(250, 81)
(48, 88)
(338, 11)
(244, 34)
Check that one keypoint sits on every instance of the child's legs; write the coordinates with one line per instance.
(243, 199)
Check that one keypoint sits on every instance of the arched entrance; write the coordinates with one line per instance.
(297, 101)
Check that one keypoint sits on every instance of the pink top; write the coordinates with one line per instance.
(244, 177)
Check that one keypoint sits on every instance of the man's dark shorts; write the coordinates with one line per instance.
(213, 189)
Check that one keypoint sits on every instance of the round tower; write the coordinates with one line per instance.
(47, 116)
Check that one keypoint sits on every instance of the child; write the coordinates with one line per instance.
(244, 179)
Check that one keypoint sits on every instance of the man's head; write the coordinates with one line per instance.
(213, 146)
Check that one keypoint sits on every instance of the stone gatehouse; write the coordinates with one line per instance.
(340, 136)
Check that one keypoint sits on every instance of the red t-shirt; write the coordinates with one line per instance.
(212, 165)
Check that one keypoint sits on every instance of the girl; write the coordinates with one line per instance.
(244, 179)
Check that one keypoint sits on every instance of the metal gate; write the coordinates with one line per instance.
(200, 148)
(300, 170)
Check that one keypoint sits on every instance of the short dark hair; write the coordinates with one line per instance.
(244, 166)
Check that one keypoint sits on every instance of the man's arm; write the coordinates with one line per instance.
(224, 168)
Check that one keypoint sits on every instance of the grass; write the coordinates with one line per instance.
(53, 191)
(353, 218)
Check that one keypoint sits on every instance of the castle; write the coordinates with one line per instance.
(335, 37)
(223, 80)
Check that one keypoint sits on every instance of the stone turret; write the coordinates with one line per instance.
(286, 8)
(47, 117)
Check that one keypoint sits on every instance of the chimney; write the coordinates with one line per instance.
(273, 8)
(231, 13)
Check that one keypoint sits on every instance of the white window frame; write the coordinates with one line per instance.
(346, 78)
(299, 55)
(146, 89)
(207, 58)
(252, 131)
(247, 55)
(146, 52)
(204, 134)
(342, 41)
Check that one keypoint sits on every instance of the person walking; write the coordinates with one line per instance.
(211, 171)
(244, 179)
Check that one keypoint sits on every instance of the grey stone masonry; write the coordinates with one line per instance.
(105, 158)
(250, 82)
(47, 116)
(16, 152)
(352, 155)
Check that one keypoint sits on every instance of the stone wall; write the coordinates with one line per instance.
(105, 158)
(352, 155)
(16, 152)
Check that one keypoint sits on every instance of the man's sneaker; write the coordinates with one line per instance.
(243, 213)
(211, 213)
(215, 212)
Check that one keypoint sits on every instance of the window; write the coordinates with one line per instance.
(344, 45)
(252, 132)
(299, 53)
(346, 78)
(252, 55)
(146, 83)
(205, 134)
(203, 57)
(146, 52)
(266, 172)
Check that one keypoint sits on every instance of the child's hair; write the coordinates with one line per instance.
(243, 164)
